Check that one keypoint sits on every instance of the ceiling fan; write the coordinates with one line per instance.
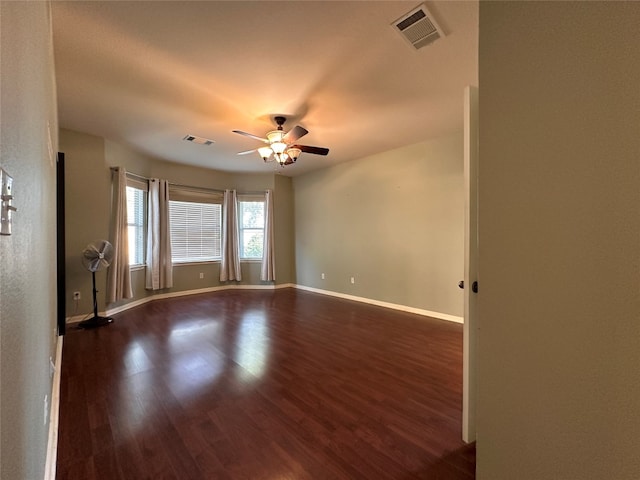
(281, 145)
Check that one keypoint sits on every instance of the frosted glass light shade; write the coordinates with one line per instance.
(294, 153)
(281, 158)
(265, 153)
(278, 147)
(275, 136)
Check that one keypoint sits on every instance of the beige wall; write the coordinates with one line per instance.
(28, 120)
(88, 159)
(394, 221)
(86, 192)
(284, 230)
(559, 266)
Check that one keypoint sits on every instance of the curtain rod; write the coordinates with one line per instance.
(146, 179)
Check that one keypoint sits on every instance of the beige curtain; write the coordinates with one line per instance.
(118, 275)
(268, 270)
(159, 267)
(230, 264)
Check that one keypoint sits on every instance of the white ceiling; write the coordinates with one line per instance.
(147, 73)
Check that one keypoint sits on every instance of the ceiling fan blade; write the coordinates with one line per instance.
(294, 134)
(247, 152)
(314, 150)
(251, 135)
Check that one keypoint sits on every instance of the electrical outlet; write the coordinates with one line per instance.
(46, 408)
(353, 280)
(52, 367)
(322, 276)
(76, 295)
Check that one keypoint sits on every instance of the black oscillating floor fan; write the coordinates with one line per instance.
(96, 256)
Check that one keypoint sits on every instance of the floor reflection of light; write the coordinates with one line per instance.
(195, 365)
(191, 375)
(132, 397)
(184, 332)
(252, 346)
(135, 359)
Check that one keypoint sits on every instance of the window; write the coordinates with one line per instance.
(136, 208)
(251, 221)
(195, 231)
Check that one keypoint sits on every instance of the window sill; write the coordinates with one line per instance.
(204, 262)
(134, 268)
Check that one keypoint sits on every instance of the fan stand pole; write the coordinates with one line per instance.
(96, 321)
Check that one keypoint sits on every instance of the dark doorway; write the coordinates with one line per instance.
(60, 248)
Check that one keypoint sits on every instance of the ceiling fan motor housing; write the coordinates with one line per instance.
(279, 121)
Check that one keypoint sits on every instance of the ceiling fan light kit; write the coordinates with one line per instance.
(281, 147)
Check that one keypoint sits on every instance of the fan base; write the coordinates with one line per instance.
(95, 322)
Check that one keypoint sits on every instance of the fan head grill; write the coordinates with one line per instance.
(97, 255)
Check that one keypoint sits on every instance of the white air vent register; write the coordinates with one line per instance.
(418, 27)
(198, 140)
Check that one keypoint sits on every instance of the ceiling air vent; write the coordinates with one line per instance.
(198, 140)
(418, 27)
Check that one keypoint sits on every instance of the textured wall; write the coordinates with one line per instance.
(394, 221)
(559, 234)
(28, 145)
(86, 194)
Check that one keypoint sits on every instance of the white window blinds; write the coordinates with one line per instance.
(195, 229)
(251, 226)
(136, 196)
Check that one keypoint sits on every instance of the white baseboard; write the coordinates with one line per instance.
(394, 306)
(159, 296)
(54, 416)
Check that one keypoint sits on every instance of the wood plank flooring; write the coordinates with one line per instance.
(281, 384)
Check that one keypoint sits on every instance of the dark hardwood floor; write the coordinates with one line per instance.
(272, 385)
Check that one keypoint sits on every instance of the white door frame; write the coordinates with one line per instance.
(470, 263)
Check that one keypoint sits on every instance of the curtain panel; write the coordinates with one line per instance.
(230, 262)
(159, 272)
(119, 275)
(268, 270)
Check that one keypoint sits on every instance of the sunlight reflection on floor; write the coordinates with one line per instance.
(252, 346)
(193, 370)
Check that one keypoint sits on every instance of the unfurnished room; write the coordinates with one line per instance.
(319, 240)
